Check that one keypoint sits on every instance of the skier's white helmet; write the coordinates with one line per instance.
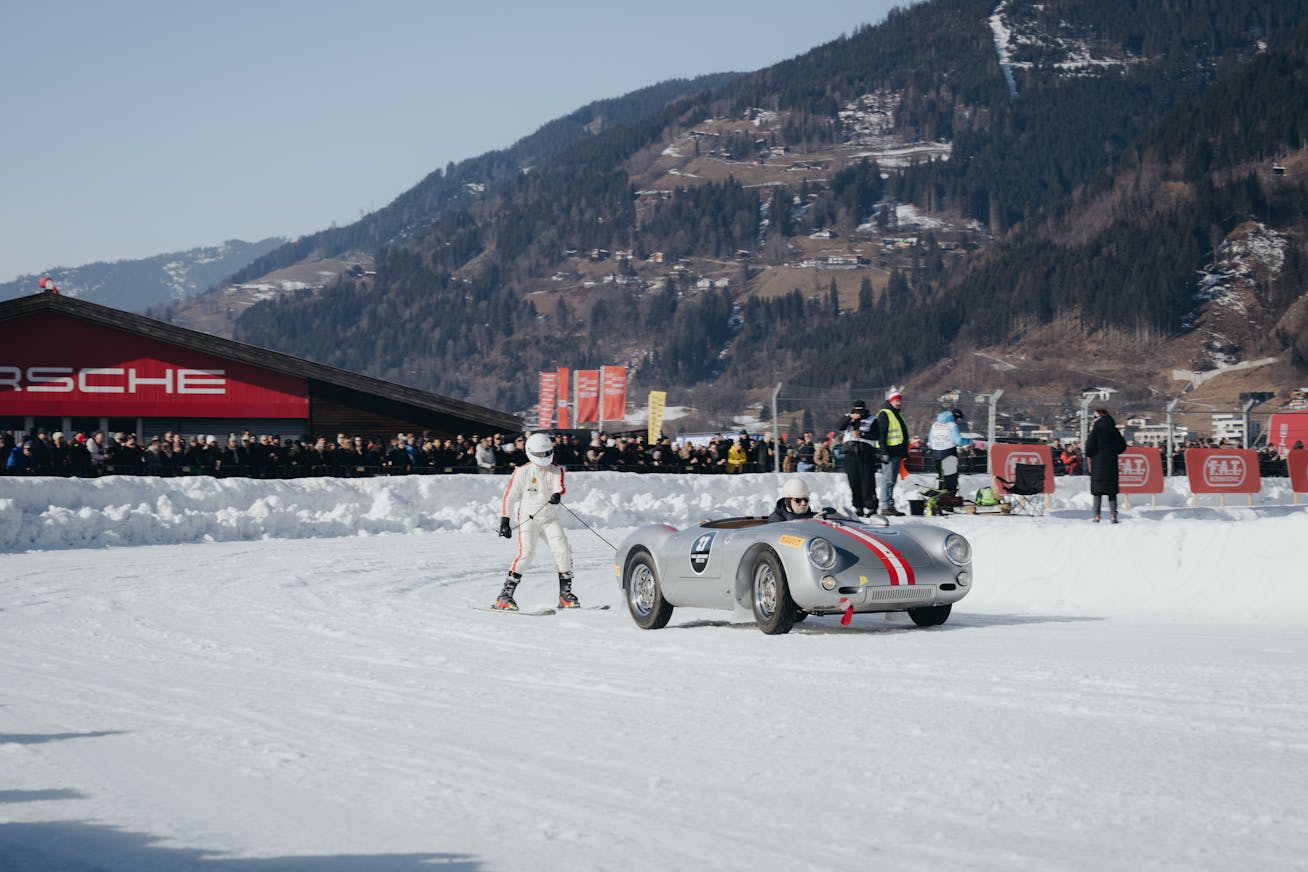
(540, 449)
(795, 489)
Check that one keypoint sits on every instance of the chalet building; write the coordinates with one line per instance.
(70, 365)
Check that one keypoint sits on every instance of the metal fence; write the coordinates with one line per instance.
(1169, 424)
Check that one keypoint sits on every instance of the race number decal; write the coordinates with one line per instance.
(699, 552)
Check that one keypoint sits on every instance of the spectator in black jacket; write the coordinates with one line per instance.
(128, 458)
(1102, 447)
(58, 452)
(804, 454)
(230, 459)
(156, 461)
(859, 448)
(79, 459)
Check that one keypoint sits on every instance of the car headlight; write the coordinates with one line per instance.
(822, 553)
(958, 549)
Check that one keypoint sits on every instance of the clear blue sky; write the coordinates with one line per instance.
(135, 128)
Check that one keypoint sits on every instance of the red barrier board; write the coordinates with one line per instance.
(1297, 461)
(1005, 456)
(92, 370)
(1223, 470)
(1140, 471)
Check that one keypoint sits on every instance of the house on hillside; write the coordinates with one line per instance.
(1100, 394)
(841, 261)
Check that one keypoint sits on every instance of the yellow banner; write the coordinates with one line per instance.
(657, 400)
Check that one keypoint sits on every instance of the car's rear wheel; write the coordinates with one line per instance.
(774, 610)
(930, 616)
(645, 599)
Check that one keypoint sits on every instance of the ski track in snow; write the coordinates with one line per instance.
(1102, 700)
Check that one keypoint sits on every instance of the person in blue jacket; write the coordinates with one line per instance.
(20, 459)
(944, 441)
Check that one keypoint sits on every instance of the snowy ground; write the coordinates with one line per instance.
(229, 675)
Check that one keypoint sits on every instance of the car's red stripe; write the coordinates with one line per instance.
(897, 567)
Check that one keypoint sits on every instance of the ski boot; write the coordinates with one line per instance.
(505, 600)
(567, 599)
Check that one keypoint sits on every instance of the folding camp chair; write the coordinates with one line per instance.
(1028, 481)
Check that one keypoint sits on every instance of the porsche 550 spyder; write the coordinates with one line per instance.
(784, 571)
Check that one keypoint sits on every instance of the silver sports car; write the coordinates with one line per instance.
(785, 571)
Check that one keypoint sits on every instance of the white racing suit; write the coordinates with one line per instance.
(527, 500)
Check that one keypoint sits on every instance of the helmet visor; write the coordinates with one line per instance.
(541, 455)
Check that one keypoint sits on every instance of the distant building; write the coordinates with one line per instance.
(1101, 394)
(1155, 435)
(1229, 427)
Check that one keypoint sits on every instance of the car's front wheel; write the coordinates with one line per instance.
(645, 599)
(930, 616)
(774, 610)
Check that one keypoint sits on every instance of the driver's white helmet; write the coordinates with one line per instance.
(540, 449)
(795, 489)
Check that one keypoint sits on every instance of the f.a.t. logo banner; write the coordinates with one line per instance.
(1223, 471)
(1140, 471)
(1005, 456)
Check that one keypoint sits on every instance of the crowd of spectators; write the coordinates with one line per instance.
(42, 452)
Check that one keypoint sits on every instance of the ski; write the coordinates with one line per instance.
(530, 612)
(599, 608)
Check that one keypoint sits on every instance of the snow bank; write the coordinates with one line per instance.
(45, 513)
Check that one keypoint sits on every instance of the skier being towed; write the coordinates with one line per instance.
(532, 495)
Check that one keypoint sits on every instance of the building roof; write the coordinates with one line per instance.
(275, 361)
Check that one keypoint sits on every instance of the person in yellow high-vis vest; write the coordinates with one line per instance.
(894, 448)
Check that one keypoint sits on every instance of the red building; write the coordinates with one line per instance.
(70, 365)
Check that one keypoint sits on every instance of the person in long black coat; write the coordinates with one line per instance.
(1102, 447)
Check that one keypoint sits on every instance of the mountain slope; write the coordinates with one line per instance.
(846, 216)
(136, 285)
(1190, 255)
(462, 183)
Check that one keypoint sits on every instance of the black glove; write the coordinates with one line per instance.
(505, 530)
(554, 499)
(883, 459)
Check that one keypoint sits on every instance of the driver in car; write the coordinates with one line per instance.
(794, 502)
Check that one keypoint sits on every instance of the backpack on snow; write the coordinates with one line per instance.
(986, 496)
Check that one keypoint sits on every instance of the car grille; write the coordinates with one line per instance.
(900, 593)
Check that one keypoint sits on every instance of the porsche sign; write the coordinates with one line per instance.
(94, 370)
